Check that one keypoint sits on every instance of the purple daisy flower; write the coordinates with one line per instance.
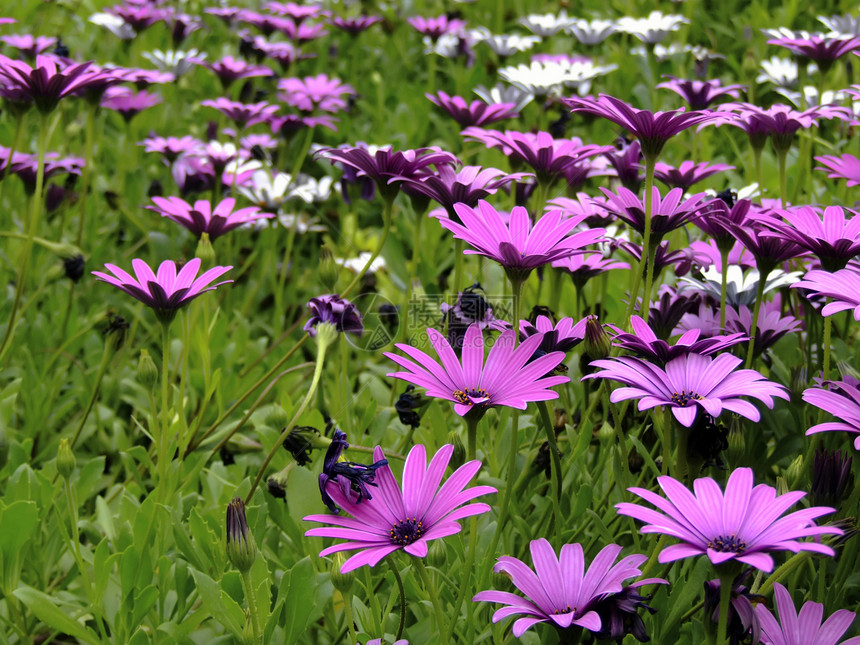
(43, 85)
(406, 518)
(843, 167)
(334, 310)
(128, 102)
(742, 524)
(202, 218)
(284, 53)
(167, 291)
(653, 129)
(688, 173)
(560, 589)
(626, 159)
(690, 382)
(699, 95)
(354, 25)
(145, 77)
(842, 400)
(547, 156)
(476, 113)
(780, 122)
(242, 114)
(583, 267)
(27, 45)
(435, 28)
(474, 386)
(769, 250)
(643, 343)
(770, 328)
(287, 126)
(561, 337)
(743, 622)
(517, 245)
(806, 627)
(315, 93)
(230, 69)
(297, 12)
(668, 213)
(171, 147)
(139, 17)
(828, 236)
(715, 216)
(823, 49)
(843, 286)
(683, 260)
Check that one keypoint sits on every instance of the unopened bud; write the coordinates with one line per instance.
(147, 372)
(458, 458)
(205, 251)
(65, 459)
(241, 548)
(437, 554)
(328, 269)
(597, 344)
(606, 433)
(782, 486)
(74, 267)
(794, 473)
(341, 581)
(737, 445)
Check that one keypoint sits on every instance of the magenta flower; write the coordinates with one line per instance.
(230, 69)
(744, 524)
(476, 113)
(547, 156)
(770, 327)
(517, 245)
(297, 12)
(843, 286)
(842, 400)
(563, 337)
(474, 386)
(145, 77)
(435, 28)
(768, 249)
(242, 114)
(715, 217)
(139, 17)
(653, 129)
(315, 92)
(688, 383)
(683, 260)
(128, 102)
(699, 95)
(25, 167)
(828, 236)
(643, 343)
(43, 85)
(202, 218)
(560, 590)
(354, 25)
(334, 310)
(406, 518)
(823, 49)
(287, 126)
(667, 213)
(780, 122)
(167, 291)
(806, 627)
(171, 147)
(583, 267)
(28, 45)
(688, 173)
(284, 53)
(843, 167)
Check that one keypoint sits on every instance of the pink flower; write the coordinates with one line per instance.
(202, 218)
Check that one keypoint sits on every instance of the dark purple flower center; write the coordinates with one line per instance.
(685, 397)
(727, 544)
(472, 396)
(566, 610)
(407, 531)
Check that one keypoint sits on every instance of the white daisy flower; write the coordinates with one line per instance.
(653, 28)
(114, 24)
(174, 61)
(593, 32)
(546, 25)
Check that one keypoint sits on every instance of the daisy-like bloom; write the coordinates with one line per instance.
(682, 260)
(804, 628)
(560, 589)
(715, 216)
(505, 45)
(202, 218)
(591, 32)
(287, 126)
(688, 173)
(143, 78)
(768, 249)
(27, 45)
(772, 325)
(845, 166)
(740, 285)
(583, 267)
(315, 92)
(297, 12)
(781, 72)
(45, 84)
(550, 77)
(626, 159)
(183, 25)
(284, 53)
(175, 61)
(699, 95)
(845, 25)
(114, 24)
(139, 17)
(743, 621)
(385, 164)
(842, 400)
(242, 114)
(653, 129)
(743, 524)
(448, 187)
(354, 25)
(546, 155)
(434, 28)
(779, 121)
(653, 28)
(128, 102)
(334, 310)
(475, 113)
(404, 518)
(170, 147)
(667, 213)
(828, 236)
(821, 48)
(25, 166)
(546, 25)
(643, 343)
(230, 69)
(505, 94)
(562, 337)
(473, 386)
(517, 245)
(688, 383)
(166, 291)
(710, 255)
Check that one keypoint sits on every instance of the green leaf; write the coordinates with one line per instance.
(219, 604)
(298, 603)
(206, 540)
(143, 603)
(18, 522)
(686, 593)
(44, 609)
(261, 583)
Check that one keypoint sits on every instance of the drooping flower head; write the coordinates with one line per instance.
(689, 383)
(334, 310)
(560, 589)
(230, 69)
(167, 291)
(476, 113)
(805, 627)
(45, 84)
(517, 245)
(715, 215)
(435, 28)
(354, 25)
(699, 95)
(824, 49)
(583, 267)
(474, 386)
(202, 218)
(653, 129)
(780, 122)
(842, 400)
(828, 235)
(127, 102)
(406, 517)
(688, 173)
(244, 115)
(171, 147)
(353, 479)
(743, 524)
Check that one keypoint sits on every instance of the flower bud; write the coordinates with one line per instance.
(737, 445)
(597, 344)
(241, 548)
(458, 458)
(328, 270)
(606, 433)
(794, 473)
(341, 581)
(205, 251)
(147, 372)
(65, 459)
(437, 554)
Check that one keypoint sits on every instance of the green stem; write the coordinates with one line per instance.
(759, 296)
(35, 216)
(725, 603)
(647, 246)
(681, 458)
(556, 467)
(106, 354)
(89, 144)
(399, 581)
(321, 351)
(828, 328)
(161, 442)
(757, 166)
(781, 156)
(388, 206)
(724, 258)
(344, 386)
(16, 146)
(350, 620)
(458, 264)
(430, 588)
(787, 567)
(251, 597)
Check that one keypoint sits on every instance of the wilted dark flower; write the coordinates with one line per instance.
(335, 310)
(619, 613)
(831, 477)
(74, 267)
(708, 440)
(744, 626)
(406, 405)
(299, 443)
(352, 478)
